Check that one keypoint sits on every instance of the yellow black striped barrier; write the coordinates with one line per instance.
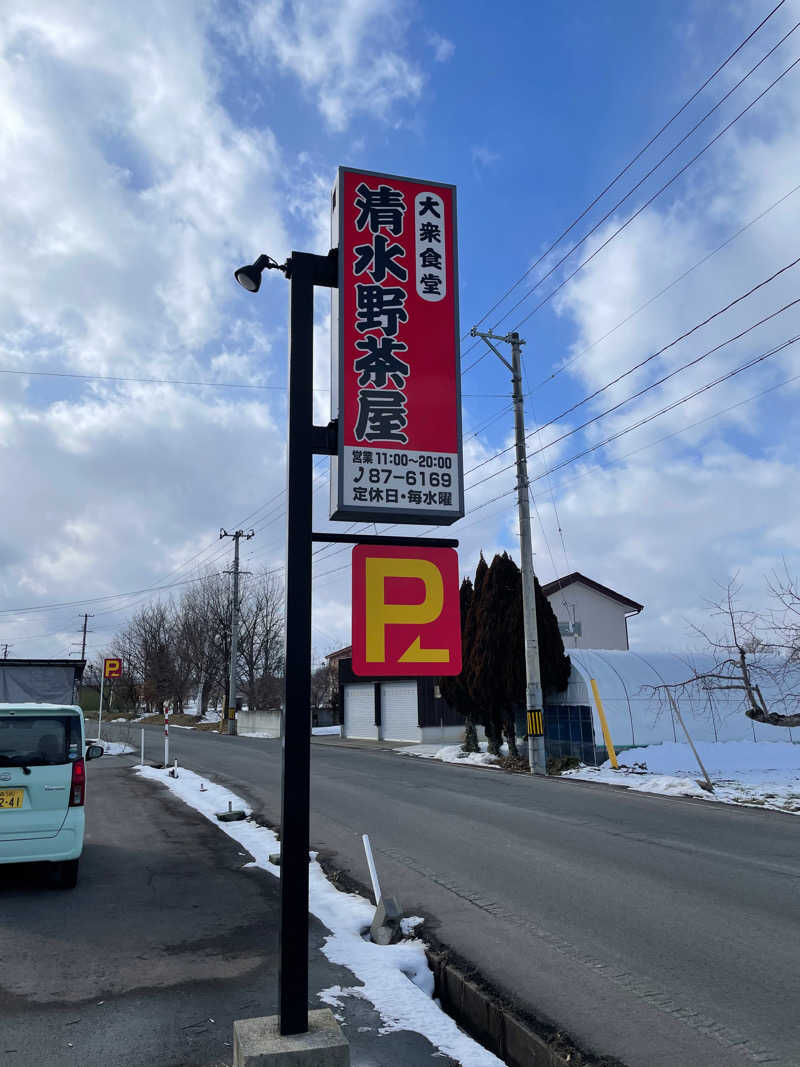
(535, 724)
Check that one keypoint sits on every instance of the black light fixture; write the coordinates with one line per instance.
(249, 277)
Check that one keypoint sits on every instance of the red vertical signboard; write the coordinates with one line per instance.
(396, 379)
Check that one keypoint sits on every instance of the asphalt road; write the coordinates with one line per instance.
(165, 941)
(665, 932)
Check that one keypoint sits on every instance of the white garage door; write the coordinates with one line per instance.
(399, 711)
(359, 711)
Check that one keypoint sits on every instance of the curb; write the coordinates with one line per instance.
(484, 1017)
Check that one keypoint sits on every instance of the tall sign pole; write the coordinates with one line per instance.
(396, 447)
(537, 756)
(304, 271)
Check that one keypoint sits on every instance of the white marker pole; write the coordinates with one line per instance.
(142, 763)
(709, 784)
(376, 888)
(166, 735)
(100, 712)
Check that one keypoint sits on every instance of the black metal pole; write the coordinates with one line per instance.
(305, 271)
(296, 732)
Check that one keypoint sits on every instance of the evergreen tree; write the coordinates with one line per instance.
(554, 664)
(496, 673)
(469, 668)
(499, 653)
(453, 687)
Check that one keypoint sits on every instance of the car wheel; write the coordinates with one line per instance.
(68, 874)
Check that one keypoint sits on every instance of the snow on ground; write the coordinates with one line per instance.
(115, 748)
(326, 731)
(763, 774)
(396, 978)
(454, 754)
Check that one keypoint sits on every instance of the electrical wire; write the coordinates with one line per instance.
(684, 429)
(620, 229)
(665, 348)
(666, 289)
(145, 381)
(677, 403)
(631, 162)
(656, 166)
(656, 194)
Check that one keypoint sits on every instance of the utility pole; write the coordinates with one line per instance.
(5, 650)
(537, 757)
(233, 683)
(86, 617)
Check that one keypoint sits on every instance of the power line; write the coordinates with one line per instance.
(144, 381)
(664, 348)
(628, 165)
(666, 289)
(654, 168)
(641, 392)
(683, 429)
(682, 170)
(656, 194)
(677, 403)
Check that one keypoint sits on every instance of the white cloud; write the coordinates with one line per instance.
(662, 524)
(443, 47)
(483, 156)
(349, 56)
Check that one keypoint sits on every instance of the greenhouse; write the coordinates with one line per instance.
(638, 713)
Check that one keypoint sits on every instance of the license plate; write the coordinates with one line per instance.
(11, 798)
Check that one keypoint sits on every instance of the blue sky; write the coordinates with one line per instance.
(149, 151)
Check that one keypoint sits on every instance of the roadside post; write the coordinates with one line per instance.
(395, 448)
(112, 668)
(142, 761)
(709, 785)
(166, 734)
(100, 709)
(612, 755)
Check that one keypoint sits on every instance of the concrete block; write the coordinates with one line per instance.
(385, 927)
(259, 1043)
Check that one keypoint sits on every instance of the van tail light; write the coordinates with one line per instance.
(77, 790)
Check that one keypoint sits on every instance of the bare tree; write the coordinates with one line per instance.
(754, 649)
(261, 639)
(170, 650)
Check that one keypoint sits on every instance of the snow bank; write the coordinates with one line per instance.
(115, 748)
(719, 758)
(757, 774)
(396, 978)
(455, 754)
(326, 731)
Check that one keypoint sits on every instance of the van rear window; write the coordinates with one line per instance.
(38, 741)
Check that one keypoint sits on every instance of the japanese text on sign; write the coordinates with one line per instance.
(399, 435)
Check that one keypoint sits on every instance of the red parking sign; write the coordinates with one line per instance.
(406, 614)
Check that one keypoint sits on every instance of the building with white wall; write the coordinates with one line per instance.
(590, 615)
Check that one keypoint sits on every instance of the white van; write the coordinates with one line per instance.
(43, 786)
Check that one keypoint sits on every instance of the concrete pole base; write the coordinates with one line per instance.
(537, 757)
(259, 1043)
